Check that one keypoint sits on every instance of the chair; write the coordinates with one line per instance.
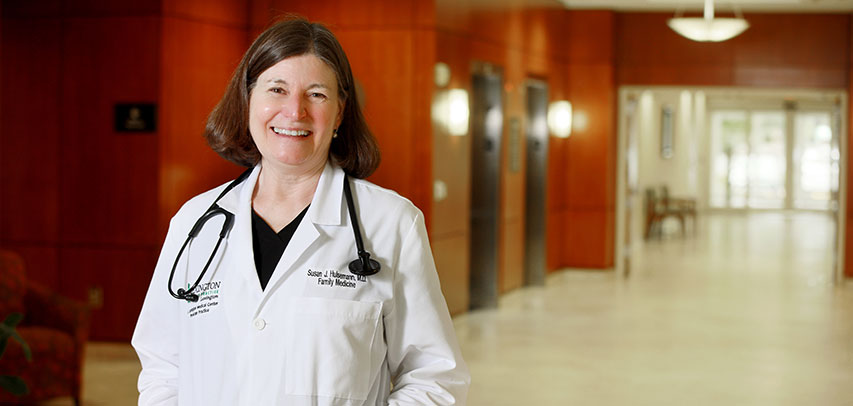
(54, 327)
(659, 208)
(655, 214)
(680, 207)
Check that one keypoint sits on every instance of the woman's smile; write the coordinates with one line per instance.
(291, 132)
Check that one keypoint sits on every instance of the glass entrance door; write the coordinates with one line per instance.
(813, 163)
(772, 159)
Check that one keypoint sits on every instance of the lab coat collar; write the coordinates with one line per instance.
(242, 193)
(327, 204)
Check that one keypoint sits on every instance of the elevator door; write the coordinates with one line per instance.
(537, 170)
(486, 130)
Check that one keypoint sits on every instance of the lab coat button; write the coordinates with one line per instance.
(260, 323)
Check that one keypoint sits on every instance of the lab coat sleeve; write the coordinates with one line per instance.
(157, 335)
(423, 353)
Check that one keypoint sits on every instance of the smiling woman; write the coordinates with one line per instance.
(279, 313)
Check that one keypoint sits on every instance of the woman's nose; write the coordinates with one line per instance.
(294, 107)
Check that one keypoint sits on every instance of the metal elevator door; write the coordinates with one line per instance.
(486, 130)
(537, 171)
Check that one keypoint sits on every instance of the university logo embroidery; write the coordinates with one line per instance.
(208, 294)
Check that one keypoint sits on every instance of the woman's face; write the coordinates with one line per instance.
(293, 109)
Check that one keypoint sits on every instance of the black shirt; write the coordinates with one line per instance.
(269, 245)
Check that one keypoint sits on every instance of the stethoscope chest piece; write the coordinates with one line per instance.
(357, 267)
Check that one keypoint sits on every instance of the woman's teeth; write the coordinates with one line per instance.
(292, 133)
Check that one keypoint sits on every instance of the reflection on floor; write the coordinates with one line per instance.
(742, 313)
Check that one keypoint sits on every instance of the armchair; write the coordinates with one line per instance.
(55, 328)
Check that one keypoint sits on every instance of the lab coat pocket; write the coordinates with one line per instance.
(330, 347)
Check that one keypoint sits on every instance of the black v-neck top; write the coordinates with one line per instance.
(269, 245)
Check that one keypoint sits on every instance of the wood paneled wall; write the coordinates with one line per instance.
(573, 53)
(778, 50)
(202, 43)
(584, 204)
(79, 197)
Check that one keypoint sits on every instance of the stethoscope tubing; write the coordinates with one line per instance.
(362, 266)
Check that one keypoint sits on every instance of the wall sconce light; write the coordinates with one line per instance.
(450, 110)
(560, 118)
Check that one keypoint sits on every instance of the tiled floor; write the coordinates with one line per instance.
(742, 313)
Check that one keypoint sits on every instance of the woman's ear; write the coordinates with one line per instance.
(340, 117)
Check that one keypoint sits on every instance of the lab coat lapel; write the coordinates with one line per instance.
(326, 207)
(239, 202)
(241, 291)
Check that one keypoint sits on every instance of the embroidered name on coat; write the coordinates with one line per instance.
(333, 278)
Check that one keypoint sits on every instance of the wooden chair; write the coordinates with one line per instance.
(682, 208)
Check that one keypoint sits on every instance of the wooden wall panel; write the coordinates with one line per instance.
(450, 228)
(555, 223)
(778, 50)
(198, 58)
(584, 170)
(588, 238)
(338, 14)
(452, 255)
(232, 13)
(592, 149)
(589, 37)
(107, 177)
(423, 83)
(24, 9)
(79, 186)
(389, 104)
(513, 202)
(109, 8)
(29, 131)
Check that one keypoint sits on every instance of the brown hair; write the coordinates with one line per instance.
(227, 131)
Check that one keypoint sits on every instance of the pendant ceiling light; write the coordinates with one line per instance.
(708, 28)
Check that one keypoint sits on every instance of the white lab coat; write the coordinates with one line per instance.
(317, 335)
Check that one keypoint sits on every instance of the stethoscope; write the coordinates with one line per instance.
(362, 266)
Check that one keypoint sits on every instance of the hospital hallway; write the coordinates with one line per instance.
(741, 313)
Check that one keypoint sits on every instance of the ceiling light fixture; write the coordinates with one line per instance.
(708, 28)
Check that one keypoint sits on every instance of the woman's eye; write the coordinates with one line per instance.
(318, 96)
(277, 90)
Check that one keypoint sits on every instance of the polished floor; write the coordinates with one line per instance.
(744, 312)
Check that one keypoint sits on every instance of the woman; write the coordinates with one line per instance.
(278, 317)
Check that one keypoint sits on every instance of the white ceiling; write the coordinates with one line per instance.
(773, 6)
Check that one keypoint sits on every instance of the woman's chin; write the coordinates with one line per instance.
(298, 163)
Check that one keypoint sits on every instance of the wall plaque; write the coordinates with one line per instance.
(135, 118)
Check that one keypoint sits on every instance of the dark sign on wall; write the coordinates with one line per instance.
(136, 118)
